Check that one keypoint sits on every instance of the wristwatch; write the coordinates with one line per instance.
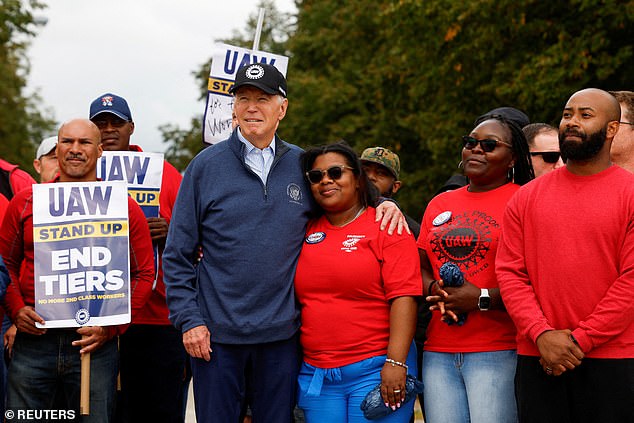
(484, 302)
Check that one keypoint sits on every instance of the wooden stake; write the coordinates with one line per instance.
(84, 399)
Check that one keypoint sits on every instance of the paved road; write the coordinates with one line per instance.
(190, 417)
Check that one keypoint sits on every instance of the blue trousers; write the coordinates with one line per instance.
(261, 375)
(342, 390)
(43, 364)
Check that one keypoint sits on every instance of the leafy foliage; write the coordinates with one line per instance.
(22, 125)
(413, 75)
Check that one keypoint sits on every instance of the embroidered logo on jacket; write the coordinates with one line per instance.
(294, 192)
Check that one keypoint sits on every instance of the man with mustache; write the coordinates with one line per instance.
(565, 266)
(47, 361)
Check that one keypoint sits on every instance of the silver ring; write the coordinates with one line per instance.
(397, 391)
(549, 370)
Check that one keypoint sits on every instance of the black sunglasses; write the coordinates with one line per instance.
(334, 172)
(548, 156)
(487, 145)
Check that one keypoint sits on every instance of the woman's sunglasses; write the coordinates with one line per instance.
(487, 145)
(548, 156)
(334, 172)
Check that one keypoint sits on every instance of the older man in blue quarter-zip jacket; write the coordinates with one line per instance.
(246, 202)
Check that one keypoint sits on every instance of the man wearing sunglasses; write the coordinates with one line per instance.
(152, 353)
(622, 151)
(565, 266)
(543, 144)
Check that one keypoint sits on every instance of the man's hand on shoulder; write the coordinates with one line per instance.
(391, 217)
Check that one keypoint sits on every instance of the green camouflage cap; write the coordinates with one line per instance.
(384, 157)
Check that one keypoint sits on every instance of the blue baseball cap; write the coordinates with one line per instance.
(110, 103)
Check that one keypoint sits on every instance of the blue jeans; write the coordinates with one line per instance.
(344, 388)
(470, 387)
(42, 364)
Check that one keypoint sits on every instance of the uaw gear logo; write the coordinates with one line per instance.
(82, 316)
(294, 192)
(106, 101)
(350, 244)
(254, 72)
(465, 240)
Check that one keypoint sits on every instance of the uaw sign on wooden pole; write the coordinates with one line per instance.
(226, 60)
(81, 253)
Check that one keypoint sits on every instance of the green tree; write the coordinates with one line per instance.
(413, 75)
(184, 144)
(21, 123)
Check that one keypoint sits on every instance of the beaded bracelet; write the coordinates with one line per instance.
(396, 363)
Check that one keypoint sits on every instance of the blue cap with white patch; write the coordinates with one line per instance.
(111, 103)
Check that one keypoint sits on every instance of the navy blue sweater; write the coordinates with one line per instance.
(251, 236)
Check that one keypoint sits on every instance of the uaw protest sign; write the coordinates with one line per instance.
(225, 62)
(142, 171)
(81, 253)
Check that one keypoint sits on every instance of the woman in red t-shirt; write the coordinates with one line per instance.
(356, 286)
(469, 356)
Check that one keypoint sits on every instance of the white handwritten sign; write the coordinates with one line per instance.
(226, 61)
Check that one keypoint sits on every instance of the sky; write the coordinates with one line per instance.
(142, 50)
